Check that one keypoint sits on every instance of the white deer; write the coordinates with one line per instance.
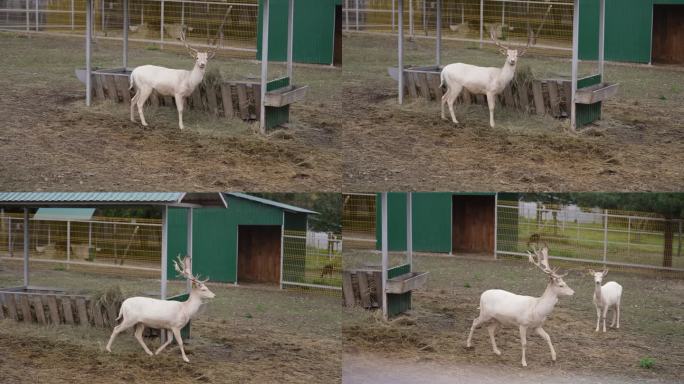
(605, 297)
(144, 312)
(178, 83)
(479, 80)
(499, 307)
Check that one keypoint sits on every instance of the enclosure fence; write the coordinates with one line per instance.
(358, 220)
(616, 239)
(103, 244)
(548, 22)
(312, 261)
(152, 22)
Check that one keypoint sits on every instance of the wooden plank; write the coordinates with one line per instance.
(423, 84)
(243, 101)
(211, 100)
(39, 309)
(110, 88)
(434, 85)
(67, 310)
(2, 306)
(347, 289)
(54, 311)
(508, 96)
(227, 99)
(256, 88)
(364, 289)
(538, 97)
(99, 88)
(96, 311)
(11, 306)
(567, 97)
(411, 84)
(112, 313)
(82, 311)
(196, 98)
(523, 98)
(377, 276)
(554, 99)
(25, 308)
(122, 83)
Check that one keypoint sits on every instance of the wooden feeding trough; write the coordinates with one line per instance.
(406, 282)
(552, 96)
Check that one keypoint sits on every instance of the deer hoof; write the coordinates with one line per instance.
(497, 352)
(186, 359)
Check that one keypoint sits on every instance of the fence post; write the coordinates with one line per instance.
(26, 247)
(10, 243)
(72, 15)
(27, 16)
(481, 22)
(411, 31)
(182, 14)
(282, 249)
(394, 14)
(102, 25)
(357, 14)
(346, 15)
(68, 244)
(90, 237)
(36, 15)
(424, 16)
(605, 235)
(161, 26)
(629, 235)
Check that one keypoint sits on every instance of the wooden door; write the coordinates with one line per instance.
(473, 224)
(259, 254)
(668, 34)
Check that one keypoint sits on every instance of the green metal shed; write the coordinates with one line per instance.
(242, 242)
(443, 222)
(640, 31)
(317, 31)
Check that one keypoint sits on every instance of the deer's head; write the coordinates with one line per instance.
(184, 268)
(540, 258)
(201, 58)
(598, 276)
(512, 55)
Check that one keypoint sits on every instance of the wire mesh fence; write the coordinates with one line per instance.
(312, 261)
(618, 239)
(150, 21)
(103, 243)
(358, 220)
(549, 23)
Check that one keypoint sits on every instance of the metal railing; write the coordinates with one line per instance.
(311, 261)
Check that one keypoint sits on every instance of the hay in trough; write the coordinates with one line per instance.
(108, 296)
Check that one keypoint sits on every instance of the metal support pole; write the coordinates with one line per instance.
(182, 13)
(102, 22)
(90, 236)
(409, 229)
(264, 64)
(602, 36)
(126, 22)
(89, 22)
(72, 15)
(346, 15)
(188, 249)
(605, 235)
(411, 31)
(438, 22)
(28, 17)
(482, 22)
(161, 25)
(629, 235)
(68, 244)
(37, 16)
(282, 249)
(164, 251)
(400, 52)
(394, 14)
(575, 57)
(10, 243)
(425, 17)
(385, 249)
(26, 247)
(290, 38)
(503, 15)
(356, 5)
(496, 223)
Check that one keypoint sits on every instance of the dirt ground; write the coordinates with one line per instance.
(636, 147)
(51, 141)
(244, 335)
(435, 330)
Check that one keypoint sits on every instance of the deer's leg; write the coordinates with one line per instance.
(134, 101)
(617, 311)
(143, 94)
(598, 318)
(476, 323)
(523, 342)
(118, 329)
(452, 95)
(612, 323)
(491, 101)
(605, 313)
(492, 328)
(179, 105)
(176, 332)
(139, 328)
(169, 339)
(541, 332)
(445, 97)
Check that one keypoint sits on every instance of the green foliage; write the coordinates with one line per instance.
(466, 285)
(646, 362)
(328, 205)
(212, 77)
(152, 48)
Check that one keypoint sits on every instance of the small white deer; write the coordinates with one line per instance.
(178, 83)
(144, 312)
(479, 80)
(605, 297)
(499, 307)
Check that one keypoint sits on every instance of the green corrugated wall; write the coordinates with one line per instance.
(314, 31)
(628, 29)
(215, 235)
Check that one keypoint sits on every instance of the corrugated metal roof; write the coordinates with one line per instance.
(286, 207)
(64, 214)
(88, 197)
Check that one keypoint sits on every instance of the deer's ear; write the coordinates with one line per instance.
(605, 272)
(591, 272)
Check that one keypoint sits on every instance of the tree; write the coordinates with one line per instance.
(327, 205)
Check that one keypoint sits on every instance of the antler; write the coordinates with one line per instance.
(492, 35)
(219, 37)
(183, 267)
(542, 261)
(193, 52)
(530, 36)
